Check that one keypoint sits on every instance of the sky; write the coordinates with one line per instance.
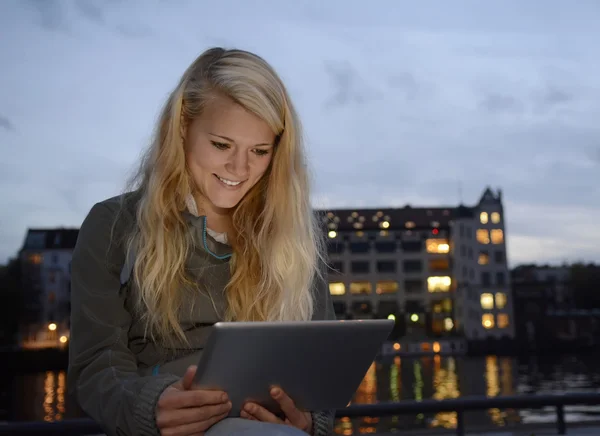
(423, 103)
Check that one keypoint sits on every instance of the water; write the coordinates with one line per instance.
(42, 396)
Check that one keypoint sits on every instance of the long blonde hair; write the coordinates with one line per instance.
(276, 243)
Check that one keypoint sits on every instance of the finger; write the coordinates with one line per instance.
(246, 415)
(176, 399)
(188, 377)
(292, 413)
(197, 427)
(261, 414)
(173, 418)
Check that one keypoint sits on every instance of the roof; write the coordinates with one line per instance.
(392, 219)
(50, 239)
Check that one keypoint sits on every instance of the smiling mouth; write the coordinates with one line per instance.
(228, 182)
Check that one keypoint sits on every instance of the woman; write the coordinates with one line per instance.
(218, 227)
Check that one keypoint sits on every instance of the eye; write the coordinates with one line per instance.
(220, 145)
(261, 152)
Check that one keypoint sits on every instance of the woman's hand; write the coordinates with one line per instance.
(183, 411)
(293, 416)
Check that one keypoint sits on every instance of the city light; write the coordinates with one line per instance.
(392, 316)
(414, 317)
(436, 347)
(52, 327)
(63, 339)
(332, 234)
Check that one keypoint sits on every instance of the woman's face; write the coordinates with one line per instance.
(228, 150)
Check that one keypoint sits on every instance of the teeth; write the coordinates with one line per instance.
(229, 182)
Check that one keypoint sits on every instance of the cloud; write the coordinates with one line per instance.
(6, 123)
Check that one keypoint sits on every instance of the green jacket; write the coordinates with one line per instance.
(115, 373)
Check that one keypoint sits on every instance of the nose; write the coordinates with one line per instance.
(238, 164)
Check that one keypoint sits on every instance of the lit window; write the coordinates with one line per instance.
(439, 283)
(360, 288)
(337, 288)
(410, 225)
(487, 321)
(360, 234)
(386, 287)
(497, 236)
(502, 320)
(439, 264)
(484, 258)
(483, 236)
(358, 225)
(332, 234)
(448, 324)
(354, 214)
(437, 245)
(483, 217)
(495, 217)
(500, 300)
(487, 301)
(384, 233)
(36, 259)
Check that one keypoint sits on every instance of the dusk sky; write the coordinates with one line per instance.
(402, 102)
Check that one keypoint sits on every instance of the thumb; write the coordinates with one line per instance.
(188, 377)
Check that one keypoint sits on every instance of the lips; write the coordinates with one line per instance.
(228, 182)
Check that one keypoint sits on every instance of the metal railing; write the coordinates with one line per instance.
(83, 427)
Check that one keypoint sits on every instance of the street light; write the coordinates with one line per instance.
(52, 327)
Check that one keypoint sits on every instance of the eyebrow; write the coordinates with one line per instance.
(231, 140)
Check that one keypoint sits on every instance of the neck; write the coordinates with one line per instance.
(217, 219)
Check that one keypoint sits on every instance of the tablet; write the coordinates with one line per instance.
(319, 364)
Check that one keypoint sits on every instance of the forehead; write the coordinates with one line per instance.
(224, 117)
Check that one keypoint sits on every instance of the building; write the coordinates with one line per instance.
(45, 260)
(438, 271)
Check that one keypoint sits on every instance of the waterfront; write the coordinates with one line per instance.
(42, 396)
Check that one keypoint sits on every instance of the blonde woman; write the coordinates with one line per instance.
(217, 227)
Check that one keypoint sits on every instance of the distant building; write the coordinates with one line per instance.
(438, 271)
(46, 282)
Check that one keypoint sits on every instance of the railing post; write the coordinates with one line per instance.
(460, 423)
(560, 419)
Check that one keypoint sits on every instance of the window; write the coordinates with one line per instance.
(360, 288)
(385, 247)
(500, 279)
(499, 257)
(448, 324)
(412, 246)
(359, 247)
(483, 236)
(484, 258)
(386, 266)
(335, 247)
(442, 306)
(337, 288)
(336, 267)
(500, 300)
(360, 267)
(413, 286)
(438, 283)
(35, 259)
(413, 266)
(483, 217)
(502, 320)
(497, 236)
(487, 301)
(495, 217)
(386, 287)
(486, 281)
(487, 321)
(410, 225)
(437, 245)
(439, 264)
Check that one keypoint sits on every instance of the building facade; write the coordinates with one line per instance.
(438, 271)
(46, 270)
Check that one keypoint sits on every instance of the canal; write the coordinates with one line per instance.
(42, 396)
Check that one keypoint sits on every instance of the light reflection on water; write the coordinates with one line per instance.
(43, 396)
